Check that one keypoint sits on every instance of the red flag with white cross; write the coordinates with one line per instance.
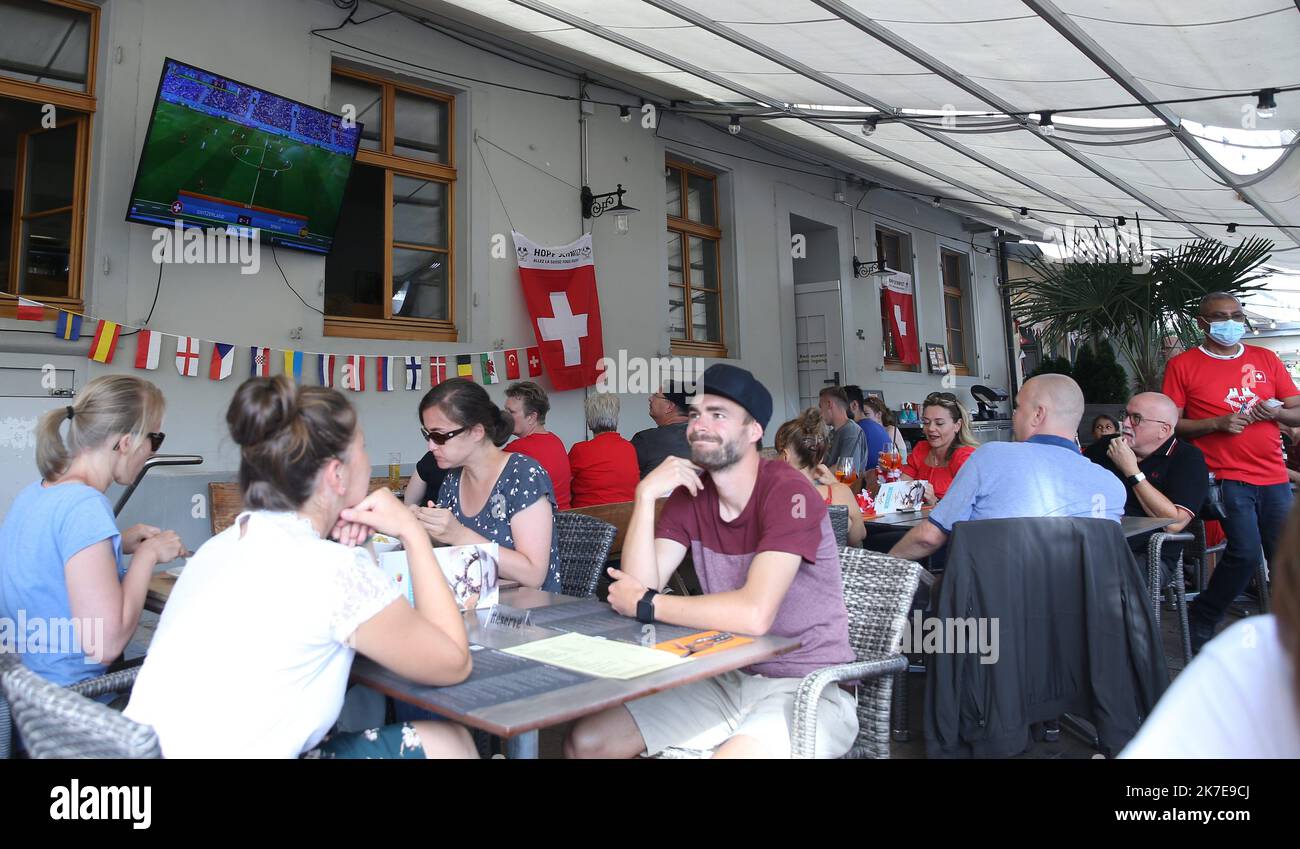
(560, 290)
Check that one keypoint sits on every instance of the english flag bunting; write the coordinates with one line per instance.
(260, 366)
(437, 370)
(512, 364)
(105, 343)
(384, 374)
(148, 345)
(68, 326)
(414, 372)
(488, 365)
(31, 310)
(559, 286)
(293, 365)
(187, 356)
(325, 370)
(354, 373)
(223, 361)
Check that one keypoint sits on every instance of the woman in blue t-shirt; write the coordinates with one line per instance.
(62, 585)
(489, 495)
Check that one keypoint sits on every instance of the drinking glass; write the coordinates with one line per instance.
(395, 470)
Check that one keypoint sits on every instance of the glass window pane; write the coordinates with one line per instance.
(673, 191)
(674, 258)
(354, 269)
(956, 347)
(419, 284)
(366, 99)
(421, 128)
(952, 307)
(704, 263)
(44, 255)
(676, 312)
(705, 322)
(699, 200)
(419, 211)
(51, 168)
(44, 43)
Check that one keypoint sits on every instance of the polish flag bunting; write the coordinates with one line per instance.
(414, 372)
(261, 362)
(512, 364)
(30, 310)
(437, 370)
(325, 369)
(148, 345)
(187, 356)
(223, 361)
(354, 373)
(384, 374)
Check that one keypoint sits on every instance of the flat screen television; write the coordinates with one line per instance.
(220, 153)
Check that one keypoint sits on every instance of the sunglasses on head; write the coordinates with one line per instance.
(156, 440)
(441, 438)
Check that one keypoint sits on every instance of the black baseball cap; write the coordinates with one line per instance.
(737, 384)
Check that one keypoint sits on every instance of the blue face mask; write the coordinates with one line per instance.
(1227, 332)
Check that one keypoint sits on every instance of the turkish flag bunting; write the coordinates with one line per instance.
(512, 365)
(560, 291)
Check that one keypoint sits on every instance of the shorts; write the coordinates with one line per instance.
(706, 714)
(399, 740)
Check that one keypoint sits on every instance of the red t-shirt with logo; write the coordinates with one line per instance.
(547, 449)
(1206, 386)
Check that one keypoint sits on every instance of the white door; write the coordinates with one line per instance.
(819, 339)
(26, 392)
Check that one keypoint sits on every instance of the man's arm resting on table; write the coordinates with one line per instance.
(749, 610)
(1157, 505)
(920, 542)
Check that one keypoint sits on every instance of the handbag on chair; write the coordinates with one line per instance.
(1213, 509)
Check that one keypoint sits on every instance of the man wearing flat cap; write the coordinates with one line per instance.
(762, 545)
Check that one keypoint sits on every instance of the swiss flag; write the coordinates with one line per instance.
(560, 291)
(512, 365)
(534, 361)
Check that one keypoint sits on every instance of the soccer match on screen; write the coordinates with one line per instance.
(223, 154)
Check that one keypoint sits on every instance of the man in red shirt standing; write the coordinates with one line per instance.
(1231, 398)
(528, 404)
(604, 467)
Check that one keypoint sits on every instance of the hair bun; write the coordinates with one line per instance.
(262, 407)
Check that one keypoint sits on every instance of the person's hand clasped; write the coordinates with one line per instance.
(1262, 412)
(165, 546)
(1121, 454)
(625, 592)
(136, 534)
(1234, 423)
(438, 522)
(378, 511)
(668, 475)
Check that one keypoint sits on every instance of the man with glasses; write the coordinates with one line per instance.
(668, 437)
(1165, 476)
(1231, 398)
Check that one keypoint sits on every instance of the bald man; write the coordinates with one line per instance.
(1041, 474)
(1165, 476)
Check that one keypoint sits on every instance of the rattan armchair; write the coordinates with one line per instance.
(59, 722)
(584, 542)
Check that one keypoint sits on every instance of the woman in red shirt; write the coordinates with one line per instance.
(605, 469)
(948, 442)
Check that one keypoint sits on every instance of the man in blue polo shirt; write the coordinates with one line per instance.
(1041, 474)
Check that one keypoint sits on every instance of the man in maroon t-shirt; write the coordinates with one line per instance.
(1231, 398)
(762, 545)
(528, 404)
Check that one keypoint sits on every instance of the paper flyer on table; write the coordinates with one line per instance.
(900, 496)
(596, 657)
(470, 570)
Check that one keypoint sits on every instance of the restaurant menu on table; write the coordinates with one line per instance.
(900, 496)
(470, 570)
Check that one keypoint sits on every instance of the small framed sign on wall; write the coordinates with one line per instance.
(938, 358)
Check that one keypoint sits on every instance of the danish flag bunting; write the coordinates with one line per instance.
(437, 370)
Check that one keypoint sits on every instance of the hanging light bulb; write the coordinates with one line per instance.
(624, 114)
(869, 127)
(621, 224)
(1266, 107)
(734, 126)
(1045, 125)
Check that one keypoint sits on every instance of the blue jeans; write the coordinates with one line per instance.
(1256, 515)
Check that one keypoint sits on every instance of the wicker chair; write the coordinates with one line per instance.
(58, 722)
(839, 523)
(1178, 580)
(878, 591)
(584, 542)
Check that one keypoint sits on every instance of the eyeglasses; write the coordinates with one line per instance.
(1138, 418)
(156, 440)
(441, 438)
(1224, 316)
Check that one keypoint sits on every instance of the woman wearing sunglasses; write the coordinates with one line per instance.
(489, 495)
(947, 445)
(60, 548)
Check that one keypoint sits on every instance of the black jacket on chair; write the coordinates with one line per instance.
(1075, 635)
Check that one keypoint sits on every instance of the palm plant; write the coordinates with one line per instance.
(1134, 307)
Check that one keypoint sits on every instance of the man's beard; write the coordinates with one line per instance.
(714, 456)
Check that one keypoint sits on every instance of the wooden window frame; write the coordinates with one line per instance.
(683, 227)
(390, 327)
(894, 363)
(83, 104)
(959, 292)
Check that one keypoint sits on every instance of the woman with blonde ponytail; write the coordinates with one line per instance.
(60, 550)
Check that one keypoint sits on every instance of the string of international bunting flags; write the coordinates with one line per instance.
(520, 361)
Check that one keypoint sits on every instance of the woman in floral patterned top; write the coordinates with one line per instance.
(489, 495)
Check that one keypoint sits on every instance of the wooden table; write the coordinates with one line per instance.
(519, 720)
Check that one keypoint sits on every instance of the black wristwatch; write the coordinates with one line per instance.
(645, 608)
